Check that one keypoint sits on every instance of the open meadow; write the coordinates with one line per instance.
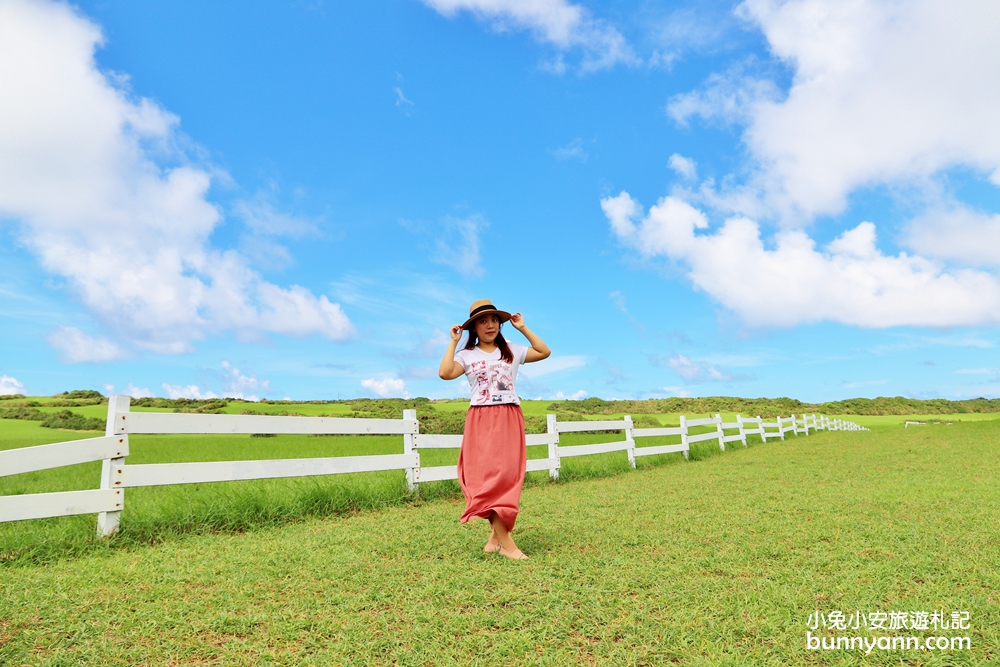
(719, 560)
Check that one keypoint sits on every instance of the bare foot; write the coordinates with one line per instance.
(514, 554)
(492, 544)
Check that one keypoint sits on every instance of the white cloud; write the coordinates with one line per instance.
(130, 228)
(238, 385)
(575, 396)
(401, 98)
(572, 151)
(957, 234)
(684, 367)
(130, 390)
(75, 347)
(883, 93)
(9, 385)
(684, 166)
(458, 247)
(692, 371)
(850, 281)
(564, 25)
(138, 392)
(386, 387)
(553, 365)
(728, 98)
(190, 391)
(261, 214)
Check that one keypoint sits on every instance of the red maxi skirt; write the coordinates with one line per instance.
(491, 462)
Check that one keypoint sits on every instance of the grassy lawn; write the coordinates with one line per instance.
(716, 561)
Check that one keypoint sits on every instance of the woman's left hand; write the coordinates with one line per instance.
(517, 320)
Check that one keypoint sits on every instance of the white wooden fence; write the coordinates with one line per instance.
(109, 499)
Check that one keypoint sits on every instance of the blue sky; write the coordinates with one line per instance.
(297, 199)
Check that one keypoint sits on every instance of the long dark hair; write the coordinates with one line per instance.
(500, 342)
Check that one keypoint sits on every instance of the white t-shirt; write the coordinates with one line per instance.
(492, 379)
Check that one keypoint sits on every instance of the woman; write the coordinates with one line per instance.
(492, 459)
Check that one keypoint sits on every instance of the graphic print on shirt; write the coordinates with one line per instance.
(481, 394)
(500, 378)
(493, 382)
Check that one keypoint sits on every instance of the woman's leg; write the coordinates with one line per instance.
(492, 544)
(503, 539)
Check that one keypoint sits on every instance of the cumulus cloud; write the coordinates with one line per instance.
(190, 391)
(387, 387)
(75, 347)
(10, 385)
(458, 245)
(684, 167)
(130, 228)
(239, 385)
(575, 396)
(957, 234)
(849, 281)
(129, 390)
(561, 24)
(882, 93)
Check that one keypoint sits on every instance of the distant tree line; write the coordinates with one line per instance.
(16, 406)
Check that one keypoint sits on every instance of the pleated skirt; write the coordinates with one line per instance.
(491, 462)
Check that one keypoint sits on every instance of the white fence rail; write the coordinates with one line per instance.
(109, 499)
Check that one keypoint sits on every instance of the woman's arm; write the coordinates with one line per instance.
(539, 350)
(451, 369)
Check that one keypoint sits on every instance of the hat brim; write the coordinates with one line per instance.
(502, 314)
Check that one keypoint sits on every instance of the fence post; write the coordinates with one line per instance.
(684, 436)
(550, 425)
(111, 469)
(763, 431)
(743, 431)
(630, 439)
(780, 429)
(718, 429)
(412, 474)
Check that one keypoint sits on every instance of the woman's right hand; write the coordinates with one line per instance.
(451, 369)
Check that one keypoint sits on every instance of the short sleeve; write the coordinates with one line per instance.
(460, 358)
(522, 353)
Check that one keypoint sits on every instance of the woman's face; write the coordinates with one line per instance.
(487, 328)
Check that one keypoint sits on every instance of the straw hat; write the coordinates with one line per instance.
(484, 307)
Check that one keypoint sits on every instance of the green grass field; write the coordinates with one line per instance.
(716, 561)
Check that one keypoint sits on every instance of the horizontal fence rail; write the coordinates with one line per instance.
(108, 500)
